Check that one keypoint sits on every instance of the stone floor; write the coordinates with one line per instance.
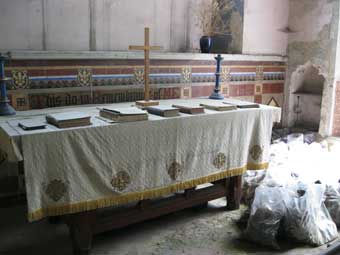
(210, 231)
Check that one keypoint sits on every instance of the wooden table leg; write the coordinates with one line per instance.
(234, 193)
(81, 230)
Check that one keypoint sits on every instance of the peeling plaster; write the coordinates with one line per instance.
(319, 47)
(308, 26)
(236, 27)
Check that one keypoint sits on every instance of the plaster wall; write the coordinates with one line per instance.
(115, 24)
(262, 21)
(21, 24)
(66, 25)
(98, 24)
(314, 41)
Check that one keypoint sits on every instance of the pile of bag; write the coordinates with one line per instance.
(297, 212)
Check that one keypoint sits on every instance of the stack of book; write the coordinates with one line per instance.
(162, 110)
(219, 107)
(123, 114)
(241, 104)
(189, 108)
(69, 119)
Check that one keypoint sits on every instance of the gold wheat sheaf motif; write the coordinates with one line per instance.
(84, 77)
(175, 170)
(121, 181)
(139, 76)
(220, 160)
(56, 190)
(256, 152)
(20, 79)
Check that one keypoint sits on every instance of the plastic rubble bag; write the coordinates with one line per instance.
(311, 137)
(278, 153)
(266, 213)
(251, 180)
(279, 176)
(332, 203)
(307, 219)
(295, 137)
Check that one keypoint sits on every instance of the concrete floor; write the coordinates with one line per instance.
(210, 231)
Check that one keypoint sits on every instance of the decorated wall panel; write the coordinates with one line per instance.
(40, 84)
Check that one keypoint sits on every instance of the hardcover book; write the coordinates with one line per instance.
(189, 109)
(164, 111)
(241, 104)
(123, 114)
(31, 124)
(69, 119)
(219, 107)
(124, 111)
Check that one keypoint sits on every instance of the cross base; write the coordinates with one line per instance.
(145, 103)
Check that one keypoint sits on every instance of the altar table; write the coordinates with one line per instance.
(78, 170)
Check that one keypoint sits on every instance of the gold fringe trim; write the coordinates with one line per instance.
(137, 196)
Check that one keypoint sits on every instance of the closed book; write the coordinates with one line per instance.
(69, 119)
(31, 124)
(122, 118)
(71, 124)
(219, 107)
(241, 104)
(124, 111)
(164, 111)
(189, 109)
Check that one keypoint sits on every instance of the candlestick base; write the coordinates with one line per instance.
(216, 95)
(6, 109)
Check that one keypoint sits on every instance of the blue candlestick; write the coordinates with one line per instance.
(5, 108)
(216, 94)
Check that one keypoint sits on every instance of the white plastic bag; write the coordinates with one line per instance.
(251, 180)
(307, 219)
(332, 203)
(267, 211)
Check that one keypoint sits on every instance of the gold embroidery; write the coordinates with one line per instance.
(220, 160)
(256, 152)
(121, 180)
(175, 170)
(56, 189)
(135, 196)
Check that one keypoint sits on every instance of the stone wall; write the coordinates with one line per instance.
(313, 39)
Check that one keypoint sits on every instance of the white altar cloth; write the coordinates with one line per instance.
(80, 169)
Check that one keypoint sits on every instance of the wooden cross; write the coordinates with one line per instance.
(146, 48)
